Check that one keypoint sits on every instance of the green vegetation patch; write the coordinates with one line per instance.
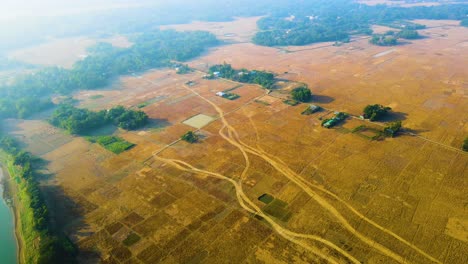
(375, 112)
(79, 121)
(131, 239)
(262, 78)
(278, 209)
(190, 137)
(291, 102)
(301, 94)
(465, 144)
(311, 109)
(183, 69)
(231, 96)
(266, 198)
(368, 132)
(96, 96)
(114, 144)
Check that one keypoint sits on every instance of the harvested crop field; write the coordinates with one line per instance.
(63, 52)
(331, 193)
(198, 121)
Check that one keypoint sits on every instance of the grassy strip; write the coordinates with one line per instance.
(39, 243)
(112, 143)
(291, 102)
(231, 96)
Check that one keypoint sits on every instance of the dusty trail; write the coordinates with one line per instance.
(254, 209)
(306, 186)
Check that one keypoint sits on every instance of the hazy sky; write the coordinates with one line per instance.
(28, 8)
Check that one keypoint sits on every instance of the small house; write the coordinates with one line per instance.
(220, 94)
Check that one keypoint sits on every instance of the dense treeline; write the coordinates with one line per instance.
(390, 38)
(345, 17)
(263, 78)
(30, 93)
(321, 21)
(41, 244)
(79, 121)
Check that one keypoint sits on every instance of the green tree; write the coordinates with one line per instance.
(301, 94)
(408, 34)
(465, 144)
(392, 129)
(375, 112)
(190, 137)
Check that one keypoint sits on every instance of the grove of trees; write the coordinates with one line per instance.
(301, 94)
(392, 129)
(190, 137)
(31, 93)
(319, 21)
(79, 121)
(375, 112)
(262, 78)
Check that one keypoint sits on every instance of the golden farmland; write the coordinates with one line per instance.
(336, 195)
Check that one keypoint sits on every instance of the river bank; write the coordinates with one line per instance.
(9, 244)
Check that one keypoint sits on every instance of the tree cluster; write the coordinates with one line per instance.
(301, 94)
(392, 129)
(408, 34)
(386, 39)
(79, 121)
(262, 78)
(319, 21)
(375, 112)
(190, 137)
(30, 93)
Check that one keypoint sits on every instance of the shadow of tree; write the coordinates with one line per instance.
(394, 116)
(322, 99)
(156, 123)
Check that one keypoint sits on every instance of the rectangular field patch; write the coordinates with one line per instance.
(198, 121)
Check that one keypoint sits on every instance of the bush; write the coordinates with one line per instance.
(465, 144)
(190, 137)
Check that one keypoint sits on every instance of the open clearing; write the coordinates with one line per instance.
(334, 194)
(198, 121)
(62, 52)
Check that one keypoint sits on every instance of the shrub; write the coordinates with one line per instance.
(190, 137)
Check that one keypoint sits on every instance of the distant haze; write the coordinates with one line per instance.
(10, 9)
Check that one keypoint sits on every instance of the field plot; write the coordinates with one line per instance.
(240, 30)
(268, 184)
(198, 121)
(62, 52)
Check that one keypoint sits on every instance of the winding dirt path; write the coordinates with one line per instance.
(306, 186)
(254, 209)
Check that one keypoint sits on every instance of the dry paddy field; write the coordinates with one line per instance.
(62, 52)
(267, 184)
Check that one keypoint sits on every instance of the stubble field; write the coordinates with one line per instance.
(330, 193)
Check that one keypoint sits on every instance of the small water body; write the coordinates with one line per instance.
(7, 230)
